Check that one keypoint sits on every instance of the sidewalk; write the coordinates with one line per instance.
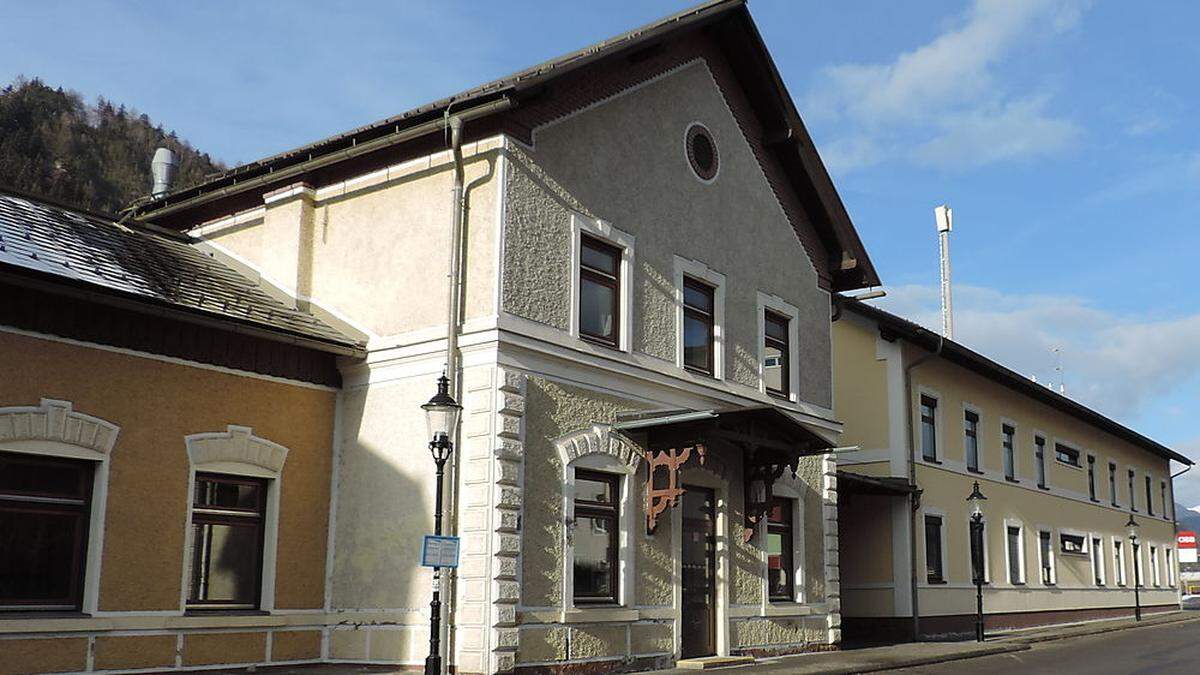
(906, 655)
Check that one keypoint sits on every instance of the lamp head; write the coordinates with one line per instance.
(1131, 527)
(441, 413)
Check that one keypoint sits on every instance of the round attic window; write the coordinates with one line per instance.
(701, 152)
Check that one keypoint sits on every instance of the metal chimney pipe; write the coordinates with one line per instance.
(945, 222)
(163, 168)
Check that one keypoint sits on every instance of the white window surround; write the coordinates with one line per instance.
(782, 489)
(939, 439)
(1053, 560)
(701, 272)
(1119, 570)
(1016, 446)
(1169, 560)
(600, 449)
(777, 305)
(54, 429)
(1021, 576)
(604, 231)
(987, 562)
(980, 435)
(1154, 566)
(237, 452)
(924, 580)
(1098, 555)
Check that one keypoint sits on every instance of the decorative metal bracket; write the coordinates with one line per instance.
(659, 498)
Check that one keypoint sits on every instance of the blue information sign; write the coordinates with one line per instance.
(439, 551)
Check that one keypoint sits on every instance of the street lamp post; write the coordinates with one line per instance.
(977, 562)
(441, 414)
(1132, 527)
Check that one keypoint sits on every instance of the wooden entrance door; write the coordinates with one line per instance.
(699, 560)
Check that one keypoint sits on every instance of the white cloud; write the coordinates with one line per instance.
(1016, 130)
(944, 97)
(1114, 363)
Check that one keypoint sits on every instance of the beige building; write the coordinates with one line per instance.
(930, 418)
(639, 333)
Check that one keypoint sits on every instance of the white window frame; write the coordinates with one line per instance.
(237, 452)
(786, 491)
(604, 231)
(1120, 570)
(601, 460)
(945, 548)
(1041, 562)
(1016, 477)
(979, 438)
(1095, 555)
(777, 305)
(987, 563)
(54, 429)
(1038, 433)
(1155, 573)
(1023, 579)
(701, 272)
(939, 439)
(1169, 560)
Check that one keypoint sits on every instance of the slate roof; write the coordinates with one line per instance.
(144, 264)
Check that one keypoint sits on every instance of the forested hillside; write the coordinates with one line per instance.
(53, 144)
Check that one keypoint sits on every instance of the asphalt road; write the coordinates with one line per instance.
(1162, 650)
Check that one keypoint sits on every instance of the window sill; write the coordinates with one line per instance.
(931, 461)
(977, 472)
(1044, 487)
(699, 372)
(1011, 480)
(217, 611)
(936, 582)
(786, 608)
(599, 614)
(1093, 500)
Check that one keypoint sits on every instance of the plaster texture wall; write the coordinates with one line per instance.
(375, 248)
(623, 161)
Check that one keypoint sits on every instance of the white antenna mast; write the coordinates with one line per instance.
(1058, 369)
(945, 222)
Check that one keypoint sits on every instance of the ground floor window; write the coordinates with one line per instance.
(228, 517)
(1016, 559)
(781, 567)
(1098, 561)
(1046, 557)
(934, 570)
(596, 544)
(1119, 562)
(1170, 567)
(1154, 574)
(45, 509)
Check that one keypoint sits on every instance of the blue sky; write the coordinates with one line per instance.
(1063, 133)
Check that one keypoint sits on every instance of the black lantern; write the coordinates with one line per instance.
(1132, 528)
(441, 414)
(976, 498)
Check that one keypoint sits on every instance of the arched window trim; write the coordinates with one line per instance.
(54, 428)
(600, 449)
(237, 452)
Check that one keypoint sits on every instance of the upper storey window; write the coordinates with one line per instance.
(929, 428)
(1066, 454)
(776, 354)
(698, 322)
(599, 291)
(971, 439)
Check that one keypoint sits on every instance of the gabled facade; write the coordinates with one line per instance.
(930, 417)
(649, 245)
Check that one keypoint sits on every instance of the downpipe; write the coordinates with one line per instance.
(912, 480)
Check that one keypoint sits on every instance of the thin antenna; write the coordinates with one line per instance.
(944, 216)
(1058, 369)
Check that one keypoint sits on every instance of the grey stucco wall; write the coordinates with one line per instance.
(623, 161)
